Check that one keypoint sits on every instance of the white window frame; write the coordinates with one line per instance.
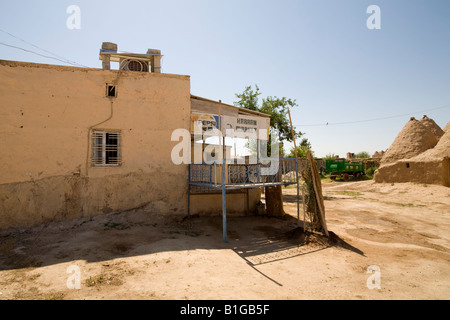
(98, 156)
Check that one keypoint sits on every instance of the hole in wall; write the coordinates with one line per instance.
(110, 90)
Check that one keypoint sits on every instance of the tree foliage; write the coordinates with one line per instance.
(330, 156)
(248, 99)
(276, 107)
(362, 155)
(304, 146)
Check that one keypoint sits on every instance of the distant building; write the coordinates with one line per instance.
(378, 154)
(420, 153)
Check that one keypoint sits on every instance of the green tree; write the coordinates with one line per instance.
(362, 155)
(276, 107)
(329, 156)
(304, 146)
(249, 98)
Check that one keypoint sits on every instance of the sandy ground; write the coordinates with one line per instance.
(401, 229)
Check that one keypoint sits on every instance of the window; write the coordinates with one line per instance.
(106, 148)
(110, 90)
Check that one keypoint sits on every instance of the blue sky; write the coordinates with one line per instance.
(319, 53)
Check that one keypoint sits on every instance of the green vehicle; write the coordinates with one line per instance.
(343, 168)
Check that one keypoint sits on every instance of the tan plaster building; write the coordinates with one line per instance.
(78, 142)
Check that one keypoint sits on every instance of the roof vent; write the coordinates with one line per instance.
(134, 65)
(140, 62)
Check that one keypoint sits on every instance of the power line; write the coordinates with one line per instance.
(11, 46)
(369, 120)
(55, 56)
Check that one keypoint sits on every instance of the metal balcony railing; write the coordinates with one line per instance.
(266, 172)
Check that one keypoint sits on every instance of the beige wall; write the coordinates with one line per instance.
(429, 172)
(211, 204)
(46, 113)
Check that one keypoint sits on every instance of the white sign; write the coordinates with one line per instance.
(247, 125)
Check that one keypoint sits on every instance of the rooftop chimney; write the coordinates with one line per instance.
(107, 46)
(156, 60)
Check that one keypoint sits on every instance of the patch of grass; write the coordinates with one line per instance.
(107, 280)
(347, 193)
(406, 204)
(370, 171)
(55, 296)
(92, 281)
(325, 178)
(410, 205)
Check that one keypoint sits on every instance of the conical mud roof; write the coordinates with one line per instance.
(415, 138)
(432, 126)
(440, 151)
(447, 127)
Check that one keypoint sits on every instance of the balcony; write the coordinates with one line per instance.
(239, 175)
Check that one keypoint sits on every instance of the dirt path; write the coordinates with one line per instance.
(401, 229)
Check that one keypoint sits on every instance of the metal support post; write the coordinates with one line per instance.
(189, 190)
(258, 168)
(224, 203)
(298, 191)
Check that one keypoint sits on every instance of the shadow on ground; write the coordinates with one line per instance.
(292, 198)
(256, 239)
